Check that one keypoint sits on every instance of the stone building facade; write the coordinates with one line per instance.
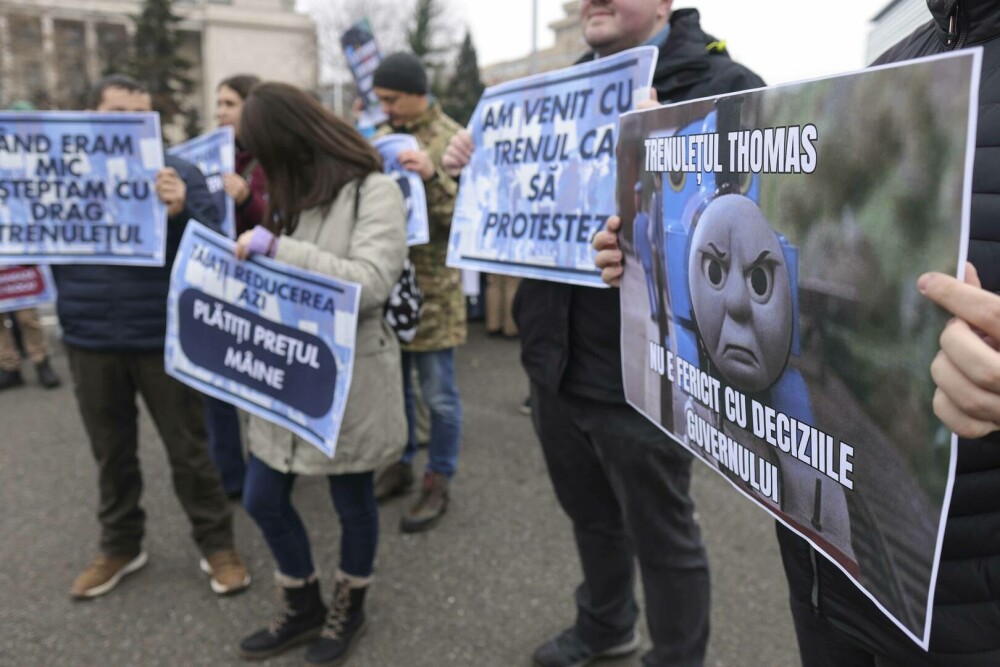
(567, 48)
(51, 51)
(894, 21)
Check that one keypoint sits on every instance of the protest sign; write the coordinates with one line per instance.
(363, 57)
(410, 183)
(25, 287)
(770, 317)
(214, 153)
(272, 339)
(79, 188)
(541, 181)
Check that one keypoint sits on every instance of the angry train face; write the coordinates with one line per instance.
(741, 293)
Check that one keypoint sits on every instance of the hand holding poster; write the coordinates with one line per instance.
(410, 183)
(363, 57)
(25, 287)
(770, 317)
(214, 153)
(272, 339)
(541, 181)
(78, 188)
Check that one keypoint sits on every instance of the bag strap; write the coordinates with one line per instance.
(357, 199)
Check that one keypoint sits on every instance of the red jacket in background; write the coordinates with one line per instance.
(250, 213)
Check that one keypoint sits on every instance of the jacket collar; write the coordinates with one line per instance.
(971, 21)
(683, 60)
(429, 115)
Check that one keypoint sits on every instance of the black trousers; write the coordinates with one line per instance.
(624, 485)
(838, 626)
(106, 384)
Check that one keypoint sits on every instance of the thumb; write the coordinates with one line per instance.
(972, 276)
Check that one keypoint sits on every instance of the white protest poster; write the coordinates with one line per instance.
(410, 184)
(272, 339)
(770, 317)
(214, 153)
(541, 181)
(79, 188)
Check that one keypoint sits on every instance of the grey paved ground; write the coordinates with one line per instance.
(491, 582)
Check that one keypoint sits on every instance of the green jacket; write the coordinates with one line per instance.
(442, 321)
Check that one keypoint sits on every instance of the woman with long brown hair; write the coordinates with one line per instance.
(248, 184)
(247, 187)
(318, 219)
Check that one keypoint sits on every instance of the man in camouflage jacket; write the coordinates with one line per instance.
(400, 83)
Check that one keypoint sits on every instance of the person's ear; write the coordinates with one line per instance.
(663, 10)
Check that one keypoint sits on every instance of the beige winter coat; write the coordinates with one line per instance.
(369, 252)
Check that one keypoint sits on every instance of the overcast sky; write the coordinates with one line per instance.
(782, 40)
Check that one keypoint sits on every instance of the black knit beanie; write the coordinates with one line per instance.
(403, 72)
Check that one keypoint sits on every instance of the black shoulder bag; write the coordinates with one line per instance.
(402, 309)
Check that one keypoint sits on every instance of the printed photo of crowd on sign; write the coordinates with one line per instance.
(770, 317)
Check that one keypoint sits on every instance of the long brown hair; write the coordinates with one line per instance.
(307, 153)
(241, 84)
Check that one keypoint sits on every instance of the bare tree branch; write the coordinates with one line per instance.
(388, 19)
(391, 22)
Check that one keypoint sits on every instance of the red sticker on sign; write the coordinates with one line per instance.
(20, 281)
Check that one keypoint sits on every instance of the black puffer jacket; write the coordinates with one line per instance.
(967, 608)
(569, 334)
(966, 620)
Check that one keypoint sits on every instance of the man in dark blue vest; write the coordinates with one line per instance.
(114, 323)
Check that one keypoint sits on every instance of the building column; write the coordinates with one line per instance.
(50, 65)
(210, 76)
(6, 62)
(91, 49)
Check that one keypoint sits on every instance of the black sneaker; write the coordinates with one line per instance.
(46, 376)
(299, 621)
(10, 379)
(567, 650)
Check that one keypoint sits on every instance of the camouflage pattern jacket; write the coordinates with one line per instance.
(442, 321)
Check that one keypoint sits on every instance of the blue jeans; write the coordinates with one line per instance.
(267, 497)
(436, 372)
(224, 444)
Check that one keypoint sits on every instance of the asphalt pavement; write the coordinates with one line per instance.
(493, 580)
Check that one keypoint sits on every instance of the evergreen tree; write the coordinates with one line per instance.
(155, 60)
(422, 37)
(465, 87)
(192, 123)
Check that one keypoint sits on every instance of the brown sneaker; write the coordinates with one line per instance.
(104, 573)
(430, 506)
(229, 574)
(393, 481)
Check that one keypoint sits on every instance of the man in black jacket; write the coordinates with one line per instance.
(623, 483)
(835, 623)
(114, 323)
